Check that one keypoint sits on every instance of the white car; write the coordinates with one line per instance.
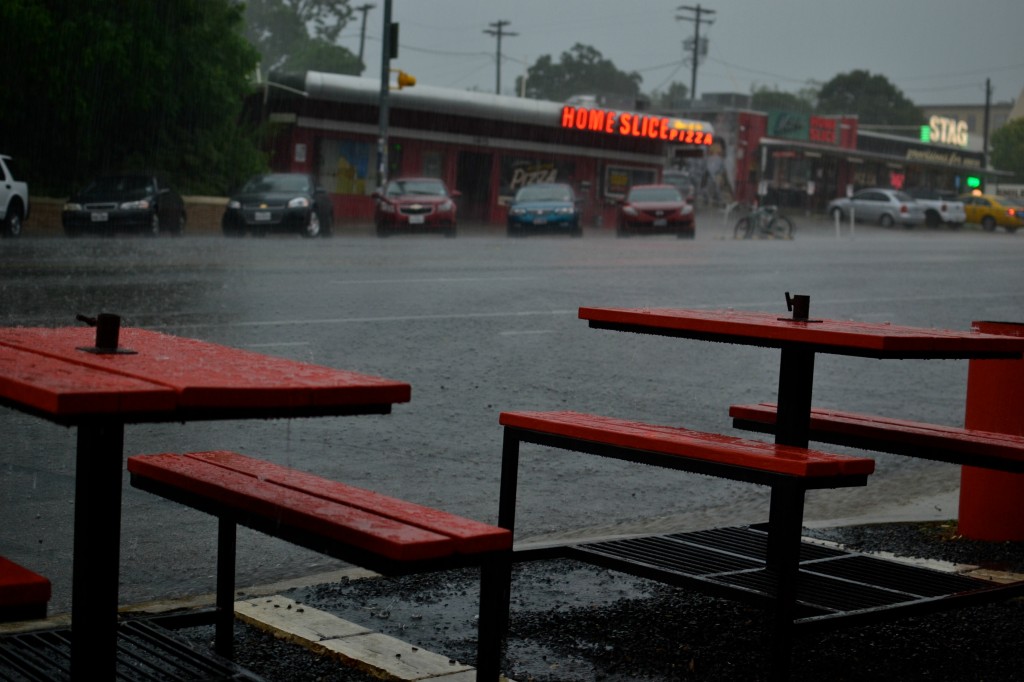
(939, 208)
(13, 200)
(885, 207)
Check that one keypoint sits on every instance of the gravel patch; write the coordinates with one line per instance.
(574, 622)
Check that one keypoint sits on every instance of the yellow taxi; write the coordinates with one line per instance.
(990, 210)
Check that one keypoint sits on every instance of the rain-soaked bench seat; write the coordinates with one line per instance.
(23, 593)
(757, 563)
(384, 534)
(970, 447)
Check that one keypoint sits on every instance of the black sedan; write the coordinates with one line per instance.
(279, 202)
(130, 202)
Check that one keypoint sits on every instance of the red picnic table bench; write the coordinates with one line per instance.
(802, 585)
(128, 376)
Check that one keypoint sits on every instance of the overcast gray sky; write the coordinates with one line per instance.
(935, 51)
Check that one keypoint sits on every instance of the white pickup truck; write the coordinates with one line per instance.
(13, 200)
(939, 208)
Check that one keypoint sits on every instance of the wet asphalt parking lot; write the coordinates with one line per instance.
(477, 325)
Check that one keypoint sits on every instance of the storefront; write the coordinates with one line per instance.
(485, 146)
(804, 161)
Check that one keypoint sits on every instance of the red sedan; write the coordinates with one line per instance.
(655, 209)
(415, 205)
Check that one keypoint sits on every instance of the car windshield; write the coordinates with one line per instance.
(924, 193)
(654, 194)
(119, 184)
(545, 193)
(1010, 201)
(424, 187)
(282, 182)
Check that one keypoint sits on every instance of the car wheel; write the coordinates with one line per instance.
(313, 226)
(179, 229)
(988, 223)
(886, 220)
(12, 223)
(154, 226)
(932, 219)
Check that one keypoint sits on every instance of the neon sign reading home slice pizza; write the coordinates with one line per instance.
(628, 124)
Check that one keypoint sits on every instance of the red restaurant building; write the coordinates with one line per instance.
(483, 145)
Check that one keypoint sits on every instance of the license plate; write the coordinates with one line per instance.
(98, 217)
(540, 221)
(660, 222)
(416, 220)
(262, 216)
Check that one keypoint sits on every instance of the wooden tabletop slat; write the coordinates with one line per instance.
(47, 368)
(758, 328)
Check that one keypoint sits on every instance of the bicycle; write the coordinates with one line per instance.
(764, 221)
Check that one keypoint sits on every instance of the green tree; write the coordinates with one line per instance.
(108, 85)
(581, 70)
(677, 96)
(300, 35)
(769, 99)
(871, 97)
(1008, 148)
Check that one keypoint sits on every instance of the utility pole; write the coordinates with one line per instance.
(984, 134)
(697, 21)
(385, 76)
(497, 29)
(362, 33)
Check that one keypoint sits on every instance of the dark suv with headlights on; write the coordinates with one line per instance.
(279, 202)
(129, 202)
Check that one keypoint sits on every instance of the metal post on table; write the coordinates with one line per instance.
(97, 550)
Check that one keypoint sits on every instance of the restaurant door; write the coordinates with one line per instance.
(473, 181)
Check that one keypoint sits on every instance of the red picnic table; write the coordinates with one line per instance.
(99, 381)
(844, 587)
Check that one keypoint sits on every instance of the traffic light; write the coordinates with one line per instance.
(405, 80)
(973, 181)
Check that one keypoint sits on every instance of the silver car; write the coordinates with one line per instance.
(885, 207)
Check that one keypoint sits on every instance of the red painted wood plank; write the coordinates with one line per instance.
(332, 520)
(691, 444)
(921, 434)
(839, 334)
(469, 535)
(64, 389)
(209, 375)
(20, 586)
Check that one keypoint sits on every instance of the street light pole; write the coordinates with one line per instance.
(362, 32)
(385, 75)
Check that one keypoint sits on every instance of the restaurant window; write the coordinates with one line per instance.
(347, 167)
(618, 180)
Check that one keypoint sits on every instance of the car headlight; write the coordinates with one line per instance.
(235, 204)
(140, 205)
(686, 209)
(629, 210)
(445, 205)
(71, 206)
(299, 202)
(387, 207)
(563, 210)
(516, 211)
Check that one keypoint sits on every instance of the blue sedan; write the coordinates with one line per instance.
(544, 207)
